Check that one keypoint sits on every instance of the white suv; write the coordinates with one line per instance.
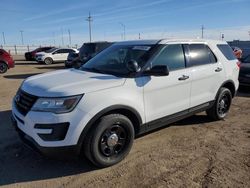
(54, 55)
(126, 90)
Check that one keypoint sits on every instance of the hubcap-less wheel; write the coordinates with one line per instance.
(3, 68)
(113, 140)
(110, 140)
(223, 105)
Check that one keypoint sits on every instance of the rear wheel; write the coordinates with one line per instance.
(110, 141)
(48, 60)
(221, 106)
(3, 67)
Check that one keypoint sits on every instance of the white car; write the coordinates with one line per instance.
(126, 90)
(54, 55)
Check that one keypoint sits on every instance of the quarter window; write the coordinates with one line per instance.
(172, 56)
(227, 51)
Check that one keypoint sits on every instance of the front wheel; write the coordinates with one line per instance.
(48, 60)
(220, 108)
(110, 141)
(3, 67)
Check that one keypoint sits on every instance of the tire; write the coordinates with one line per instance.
(222, 104)
(110, 141)
(3, 67)
(48, 60)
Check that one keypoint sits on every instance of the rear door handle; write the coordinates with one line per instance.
(184, 77)
(218, 69)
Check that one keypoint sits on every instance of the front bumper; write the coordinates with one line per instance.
(39, 126)
(54, 152)
(40, 58)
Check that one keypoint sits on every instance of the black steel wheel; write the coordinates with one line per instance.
(110, 141)
(221, 106)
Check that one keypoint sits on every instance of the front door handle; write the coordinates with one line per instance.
(218, 69)
(184, 77)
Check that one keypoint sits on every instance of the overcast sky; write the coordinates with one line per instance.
(46, 21)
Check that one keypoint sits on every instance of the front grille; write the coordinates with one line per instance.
(24, 102)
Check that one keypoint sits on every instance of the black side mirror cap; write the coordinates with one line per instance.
(158, 70)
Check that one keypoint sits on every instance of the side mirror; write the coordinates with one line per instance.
(133, 66)
(158, 70)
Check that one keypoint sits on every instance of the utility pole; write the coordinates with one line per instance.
(124, 30)
(249, 34)
(139, 35)
(202, 31)
(54, 39)
(62, 37)
(69, 37)
(21, 31)
(89, 19)
(4, 38)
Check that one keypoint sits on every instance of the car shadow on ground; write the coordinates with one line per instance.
(20, 76)
(18, 163)
(21, 164)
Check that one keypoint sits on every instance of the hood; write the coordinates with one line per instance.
(69, 82)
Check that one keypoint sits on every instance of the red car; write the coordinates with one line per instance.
(6, 61)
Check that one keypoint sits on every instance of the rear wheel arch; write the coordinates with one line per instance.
(229, 84)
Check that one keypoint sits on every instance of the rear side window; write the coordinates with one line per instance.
(227, 51)
(199, 54)
(172, 56)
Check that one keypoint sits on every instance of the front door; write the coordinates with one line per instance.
(167, 95)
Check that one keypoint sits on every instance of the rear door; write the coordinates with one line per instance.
(207, 73)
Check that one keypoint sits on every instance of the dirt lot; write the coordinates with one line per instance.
(194, 152)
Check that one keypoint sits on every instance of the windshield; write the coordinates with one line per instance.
(113, 60)
(51, 50)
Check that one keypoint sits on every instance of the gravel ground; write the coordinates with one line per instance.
(194, 152)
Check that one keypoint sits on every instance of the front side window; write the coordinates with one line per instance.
(172, 56)
(199, 54)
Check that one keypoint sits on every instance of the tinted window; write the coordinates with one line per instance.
(199, 54)
(227, 51)
(172, 56)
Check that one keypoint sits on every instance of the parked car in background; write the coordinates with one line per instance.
(237, 52)
(72, 59)
(86, 52)
(30, 56)
(6, 61)
(54, 55)
(244, 76)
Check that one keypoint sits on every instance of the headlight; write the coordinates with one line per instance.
(56, 105)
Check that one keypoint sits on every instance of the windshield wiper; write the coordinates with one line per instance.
(94, 70)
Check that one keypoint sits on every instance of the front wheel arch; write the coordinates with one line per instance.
(127, 111)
